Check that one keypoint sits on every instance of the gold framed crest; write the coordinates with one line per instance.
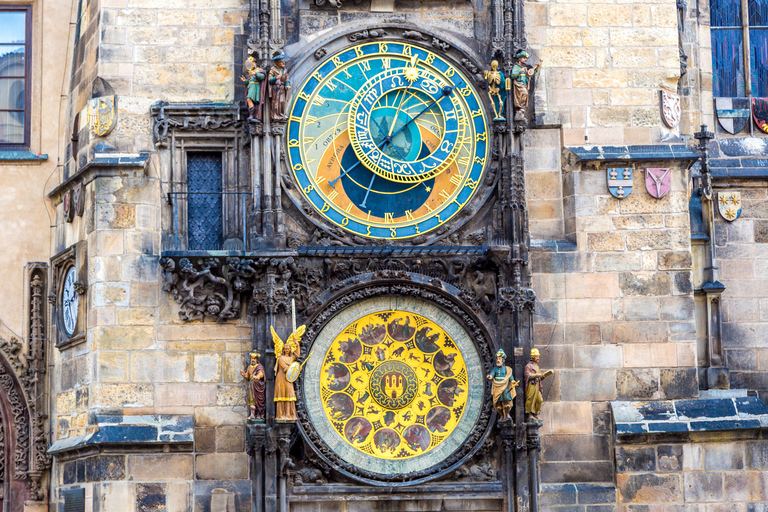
(102, 115)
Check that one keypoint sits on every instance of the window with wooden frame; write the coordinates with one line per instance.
(15, 43)
(739, 48)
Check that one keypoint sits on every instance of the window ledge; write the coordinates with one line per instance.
(21, 157)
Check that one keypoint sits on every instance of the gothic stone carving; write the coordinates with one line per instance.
(192, 117)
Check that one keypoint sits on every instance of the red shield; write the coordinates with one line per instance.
(760, 113)
(658, 181)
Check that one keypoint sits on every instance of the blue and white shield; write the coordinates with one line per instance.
(619, 181)
(729, 205)
(732, 113)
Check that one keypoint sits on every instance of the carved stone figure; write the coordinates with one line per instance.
(502, 386)
(279, 87)
(257, 389)
(533, 387)
(285, 395)
(521, 80)
(254, 92)
(497, 89)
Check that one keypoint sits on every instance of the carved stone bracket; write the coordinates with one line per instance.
(212, 287)
(192, 117)
(519, 299)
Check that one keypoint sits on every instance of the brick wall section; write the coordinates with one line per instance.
(604, 62)
(172, 50)
(615, 313)
(742, 253)
(712, 476)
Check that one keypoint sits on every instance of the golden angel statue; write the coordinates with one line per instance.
(286, 372)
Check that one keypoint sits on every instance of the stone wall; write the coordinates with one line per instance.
(604, 64)
(742, 255)
(720, 476)
(615, 306)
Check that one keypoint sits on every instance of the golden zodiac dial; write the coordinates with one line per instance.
(393, 385)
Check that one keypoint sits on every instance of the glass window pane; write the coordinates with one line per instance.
(11, 93)
(758, 56)
(13, 26)
(11, 127)
(11, 60)
(725, 13)
(758, 13)
(727, 63)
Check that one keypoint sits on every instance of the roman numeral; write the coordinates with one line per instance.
(365, 66)
(332, 195)
(444, 194)
(408, 214)
(456, 179)
(388, 218)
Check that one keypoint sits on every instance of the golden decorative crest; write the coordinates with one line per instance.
(394, 385)
(729, 205)
(102, 115)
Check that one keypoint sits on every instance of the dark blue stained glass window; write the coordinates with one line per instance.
(727, 48)
(204, 202)
(758, 46)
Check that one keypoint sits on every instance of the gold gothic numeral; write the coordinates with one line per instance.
(479, 160)
(311, 119)
(456, 179)
(386, 62)
(444, 194)
(330, 85)
(365, 66)
(293, 143)
(409, 214)
(472, 184)
(332, 195)
(449, 72)
(481, 136)
(466, 91)
(348, 208)
(294, 119)
(464, 161)
(388, 218)
(317, 76)
(325, 208)
(407, 49)
(476, 113)
(344, 221)
(383, 47)
(337, 61)
(319, 100)
(392, 232)
(308, 140)
(308, 189)
(430, 58)
(298, 167)
(358, 51)
(303, 96)
(319, 179)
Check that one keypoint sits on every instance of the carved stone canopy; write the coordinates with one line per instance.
(192, 117)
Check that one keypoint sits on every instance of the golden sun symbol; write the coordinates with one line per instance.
(411, 74)
(723, 200)
(730, 213)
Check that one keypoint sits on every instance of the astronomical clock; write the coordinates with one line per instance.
(387, 140)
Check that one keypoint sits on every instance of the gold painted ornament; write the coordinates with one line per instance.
(393, 385)
(729, 205)
(102, 115)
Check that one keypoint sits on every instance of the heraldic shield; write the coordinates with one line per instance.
(102, 115)
(729, 205)
(619, 181)
(732, 113)
(760, 113)
(658, 181)
(670, 108)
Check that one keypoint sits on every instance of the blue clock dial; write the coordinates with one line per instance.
(387, 140)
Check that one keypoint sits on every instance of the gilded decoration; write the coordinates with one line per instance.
(394, 385)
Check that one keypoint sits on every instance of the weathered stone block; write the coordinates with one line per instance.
(122, 395)
(637, 355)
(207, 368)
(718, 456)
(115, 216)
(649, 284)
(617, 262)
(571, 417)
(185, 395)
(140, 268)
(160, 366)
(649, 488)
(605, 356)
(111, 366)
(218, 416)
(104, 467)
(230, 439)
(222, 466)
(564, 448)
(123, 338)
(634, 332)
(110, 294)
(161, 467)
(602, 242)
(638, 221)
(558, 472)
(679, 383)
(588, 310)
(703, 487)
(677, 308)
(588, 385)
(635, 459)
(637, 384)
(636, 309)
(670, 457)
(150, 497)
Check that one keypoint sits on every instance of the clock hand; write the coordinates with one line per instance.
(362, 205)
(347, 171)
(445, 92)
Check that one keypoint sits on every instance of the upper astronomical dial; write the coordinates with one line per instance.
(387, 140)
